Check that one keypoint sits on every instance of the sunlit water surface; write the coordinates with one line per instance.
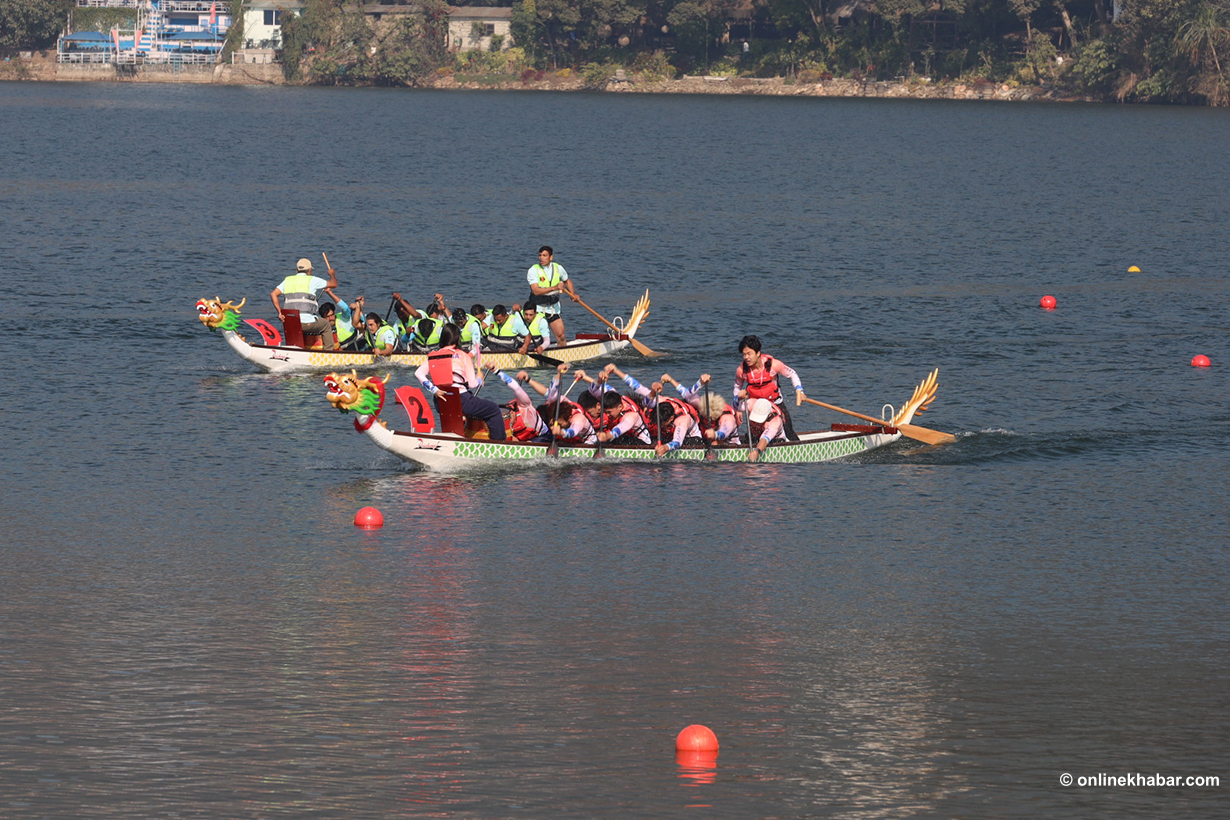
(190, 626)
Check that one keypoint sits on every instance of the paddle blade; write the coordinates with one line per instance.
(644, 350)
(924, 435)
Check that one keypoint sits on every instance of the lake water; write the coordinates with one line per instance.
(190, 626)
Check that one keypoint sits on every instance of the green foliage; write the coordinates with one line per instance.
(103, 19)
(481, 62)
(331, 44)
(652, 67)
(31, 24)
(1173, 50)
(597, 75)
(1094, 68)
(234, 34)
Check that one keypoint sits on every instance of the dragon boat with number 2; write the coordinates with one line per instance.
(456, 447)
(277, 354)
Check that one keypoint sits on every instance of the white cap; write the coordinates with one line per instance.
(761, 408)
(303, 265)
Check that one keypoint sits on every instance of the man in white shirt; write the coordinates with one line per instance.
(547, 281)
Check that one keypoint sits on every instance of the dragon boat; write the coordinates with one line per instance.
(459, 445)
(279, 352)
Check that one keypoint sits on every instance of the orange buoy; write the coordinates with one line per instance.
(696, 738)
(1201, 361)
(1048, 302)
(1133, 269)
(369, 518)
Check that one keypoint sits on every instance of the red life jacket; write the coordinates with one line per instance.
(627, 405)
(762, 384)
(573, 410)
(682, 408)
(757, 428)
(522, 431)
(707, 423)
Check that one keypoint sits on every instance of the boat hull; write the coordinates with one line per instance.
(279, 359)
(448, 453)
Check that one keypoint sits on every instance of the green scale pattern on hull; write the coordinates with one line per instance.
(809, 452)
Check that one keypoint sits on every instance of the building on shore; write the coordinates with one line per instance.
(180, 32)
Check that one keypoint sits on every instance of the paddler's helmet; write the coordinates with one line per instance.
(303, 265)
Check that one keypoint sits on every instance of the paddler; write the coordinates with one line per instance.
(766, 423)
(347, 320)
(502, 335)
(718, 422)
(523, 419)
(452, 366)
(670, 421)
(570, 424)
(421, 328)
(756, 378)
(381, 337)
(302, 293)
(547, 280)
(535, 329)
(625, 417)
(471, 331)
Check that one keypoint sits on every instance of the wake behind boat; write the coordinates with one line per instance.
(279, 353)
(425, 445)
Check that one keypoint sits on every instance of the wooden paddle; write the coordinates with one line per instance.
(908, 430)
(644, 350)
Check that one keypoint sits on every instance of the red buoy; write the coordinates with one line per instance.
(1201, 361)
(369, 518)
(1048, 302)
(696, 738)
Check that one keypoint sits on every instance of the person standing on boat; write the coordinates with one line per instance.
(756, 378)
(301, 293)
(547, 280)
(451, 365)
(766, 423)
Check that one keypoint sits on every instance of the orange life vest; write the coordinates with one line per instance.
(762, 384)
(522, 431)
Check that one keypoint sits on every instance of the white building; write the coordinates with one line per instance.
(470, 28)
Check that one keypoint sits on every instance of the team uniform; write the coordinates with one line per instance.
(526, 423)
(726, 429)
(762, 384)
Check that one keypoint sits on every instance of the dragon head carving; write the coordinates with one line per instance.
(218, 315)
(349, 393)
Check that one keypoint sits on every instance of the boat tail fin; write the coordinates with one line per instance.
(924, 394)
(639, 312)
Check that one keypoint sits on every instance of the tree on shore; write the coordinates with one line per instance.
(1201, 38)
(31, 24)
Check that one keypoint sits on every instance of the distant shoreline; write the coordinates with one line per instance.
(47, 70)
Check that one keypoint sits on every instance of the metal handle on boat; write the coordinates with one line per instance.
(618, 321)
(892, 412)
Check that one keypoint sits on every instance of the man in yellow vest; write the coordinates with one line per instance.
(547, 281)
(302, 294)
